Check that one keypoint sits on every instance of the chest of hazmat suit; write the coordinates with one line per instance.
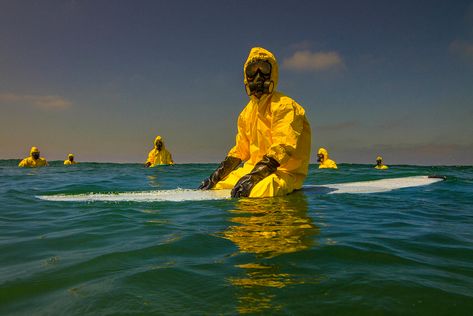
(159, 157)
(33, 163)
(276, 126)
(327, 163)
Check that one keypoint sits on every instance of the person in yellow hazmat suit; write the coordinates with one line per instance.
(70, 160)
(159, 155)
(379, 163)
(273, 138)
(324, 161)
(34, 160)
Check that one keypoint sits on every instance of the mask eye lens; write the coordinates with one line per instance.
(262, 66)
(265, 68)
(251, 71)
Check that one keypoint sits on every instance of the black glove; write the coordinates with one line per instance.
(227, 166)
(262, 169)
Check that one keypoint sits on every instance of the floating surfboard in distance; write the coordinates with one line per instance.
(179, 195)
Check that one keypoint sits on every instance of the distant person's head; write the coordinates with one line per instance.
(260, 72)
(379, 160)
(158, 142)
(322, 154)
(34, 152)
(70, 157)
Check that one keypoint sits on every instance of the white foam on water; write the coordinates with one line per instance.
(179, 195)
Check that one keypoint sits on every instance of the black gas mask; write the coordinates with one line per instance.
(258, 76)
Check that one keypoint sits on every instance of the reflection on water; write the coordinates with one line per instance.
(153, 181)
(271, 227)
(268, 228)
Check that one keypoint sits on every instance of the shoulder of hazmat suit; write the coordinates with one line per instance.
(381, 167)
(327, 163)
(275, 126)
(159, 157)
(33, 163)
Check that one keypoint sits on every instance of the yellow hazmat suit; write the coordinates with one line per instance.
(70, 161)
(380, 165)
(276, 126)
(33, 162)
(159, 156)
(326, 163)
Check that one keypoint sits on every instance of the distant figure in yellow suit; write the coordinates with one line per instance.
(273, 138)
(70, 160)
(159, 155)
(325, 162)
(34, 160)
(379, 163)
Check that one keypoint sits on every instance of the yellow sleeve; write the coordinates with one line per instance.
(287, 125)
(150, 157)
(23, 163)
(168, 158)
(241, 149)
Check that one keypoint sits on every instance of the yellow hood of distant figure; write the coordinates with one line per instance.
(34, 150)
(323, 152)
(327, 162)
(159, 139)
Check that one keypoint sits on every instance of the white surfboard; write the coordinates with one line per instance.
(375, 186)
(179, 195)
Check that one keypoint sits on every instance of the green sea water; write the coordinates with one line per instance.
(404, 252)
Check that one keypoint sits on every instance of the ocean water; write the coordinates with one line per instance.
(404, 252)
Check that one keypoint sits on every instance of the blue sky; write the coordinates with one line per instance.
(102, 78)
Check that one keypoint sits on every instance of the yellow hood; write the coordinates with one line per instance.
(34, 150)
(259, 53)
(323, 152)
(157, 139)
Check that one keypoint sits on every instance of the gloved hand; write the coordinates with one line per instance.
(262, 169)
(227, 166)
